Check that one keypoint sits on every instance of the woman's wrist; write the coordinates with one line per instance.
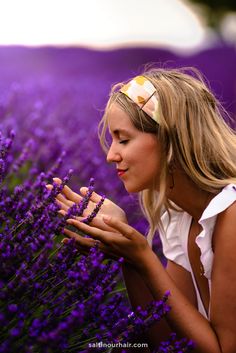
(146, 261)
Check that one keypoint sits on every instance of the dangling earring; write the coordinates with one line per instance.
(172, 185)
(171, 169)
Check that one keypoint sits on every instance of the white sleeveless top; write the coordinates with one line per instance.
(175, 238)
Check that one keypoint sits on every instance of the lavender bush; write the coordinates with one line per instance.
(52, 298)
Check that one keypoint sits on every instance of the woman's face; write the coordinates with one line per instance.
(135, 153)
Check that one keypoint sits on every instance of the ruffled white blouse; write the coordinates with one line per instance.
(175, 237)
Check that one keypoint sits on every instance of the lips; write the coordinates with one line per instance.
(121, 172)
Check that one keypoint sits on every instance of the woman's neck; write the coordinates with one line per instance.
(187, 195)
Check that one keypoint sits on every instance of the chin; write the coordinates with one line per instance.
(133, 189)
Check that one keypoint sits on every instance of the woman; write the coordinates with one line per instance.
(171, 145)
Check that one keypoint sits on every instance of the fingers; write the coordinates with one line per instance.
(71, 195)
(97, 222)
(57, 181)
(82, 250)
(85, 248)
(109, 254)
(68, 193)
(59, 197)
(94, 197)
(62, 212)
(67, 197)
(123, 228)
(63, 202)
(81, 241)
(96, 233)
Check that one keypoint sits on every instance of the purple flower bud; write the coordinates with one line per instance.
(12, 308)
(15, 332)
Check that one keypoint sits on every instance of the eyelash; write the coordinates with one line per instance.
(123, 141)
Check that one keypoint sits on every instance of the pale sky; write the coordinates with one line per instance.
(100, 23)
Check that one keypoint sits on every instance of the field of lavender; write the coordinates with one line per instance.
(51, 100)
(56, 96)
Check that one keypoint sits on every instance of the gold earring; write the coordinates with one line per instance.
(172, 181)
(171, 169)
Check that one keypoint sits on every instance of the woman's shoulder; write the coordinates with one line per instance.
(226, 219)
(220, 203)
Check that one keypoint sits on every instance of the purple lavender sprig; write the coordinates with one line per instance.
(23, 157)
(94, 213)
(5, 157)
(78, 209)
(140, 320)
(175, 345)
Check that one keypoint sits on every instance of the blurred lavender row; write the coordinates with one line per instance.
(56, 97)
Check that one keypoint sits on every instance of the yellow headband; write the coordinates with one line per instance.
(142, 92)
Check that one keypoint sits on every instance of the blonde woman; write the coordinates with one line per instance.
(171, 145)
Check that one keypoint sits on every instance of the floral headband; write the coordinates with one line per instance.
(142, 92)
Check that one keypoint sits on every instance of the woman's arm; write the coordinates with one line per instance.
(216, 336)
(139, 294)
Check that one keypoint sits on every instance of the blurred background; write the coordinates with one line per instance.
(58, 60)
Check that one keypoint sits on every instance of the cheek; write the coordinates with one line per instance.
(152, 161)
(152, 154)
(148, 165)
(145, 152)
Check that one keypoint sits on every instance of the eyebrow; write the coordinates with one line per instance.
(120, 131)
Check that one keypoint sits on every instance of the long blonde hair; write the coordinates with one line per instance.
(191, 131)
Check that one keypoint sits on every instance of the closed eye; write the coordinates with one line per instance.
(123, 141)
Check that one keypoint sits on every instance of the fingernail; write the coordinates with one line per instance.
(57, 180)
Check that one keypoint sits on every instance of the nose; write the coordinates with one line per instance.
(113, 154)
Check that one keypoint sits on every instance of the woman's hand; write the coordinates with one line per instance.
(118, 240)
(68, 197)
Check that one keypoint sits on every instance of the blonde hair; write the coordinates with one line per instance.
(191, 131)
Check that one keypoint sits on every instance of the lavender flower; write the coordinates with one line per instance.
(77, 210)
(175, 345)
(95, 211)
